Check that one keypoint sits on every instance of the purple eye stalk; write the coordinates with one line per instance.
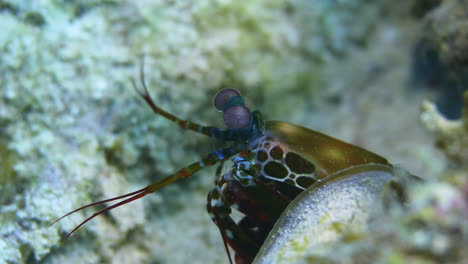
(236, 114)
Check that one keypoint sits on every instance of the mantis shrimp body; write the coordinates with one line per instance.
(273, 162)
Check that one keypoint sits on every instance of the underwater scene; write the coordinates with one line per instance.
(90, 96)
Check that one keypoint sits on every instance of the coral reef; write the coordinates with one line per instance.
(73, 131)
(447, 30)
(440, 57)
(451, 135)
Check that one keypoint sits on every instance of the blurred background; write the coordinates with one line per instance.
(385, 75)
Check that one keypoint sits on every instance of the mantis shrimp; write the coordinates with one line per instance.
(272, 163)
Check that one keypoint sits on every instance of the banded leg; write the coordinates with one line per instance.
(185, 172)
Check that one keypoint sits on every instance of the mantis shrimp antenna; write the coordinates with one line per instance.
(212, 132)
(185, 172)
(135, 195)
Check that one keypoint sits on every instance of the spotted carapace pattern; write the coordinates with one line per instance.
(276, 162)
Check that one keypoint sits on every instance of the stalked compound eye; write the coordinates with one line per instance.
(222, 97)
(237, 117)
